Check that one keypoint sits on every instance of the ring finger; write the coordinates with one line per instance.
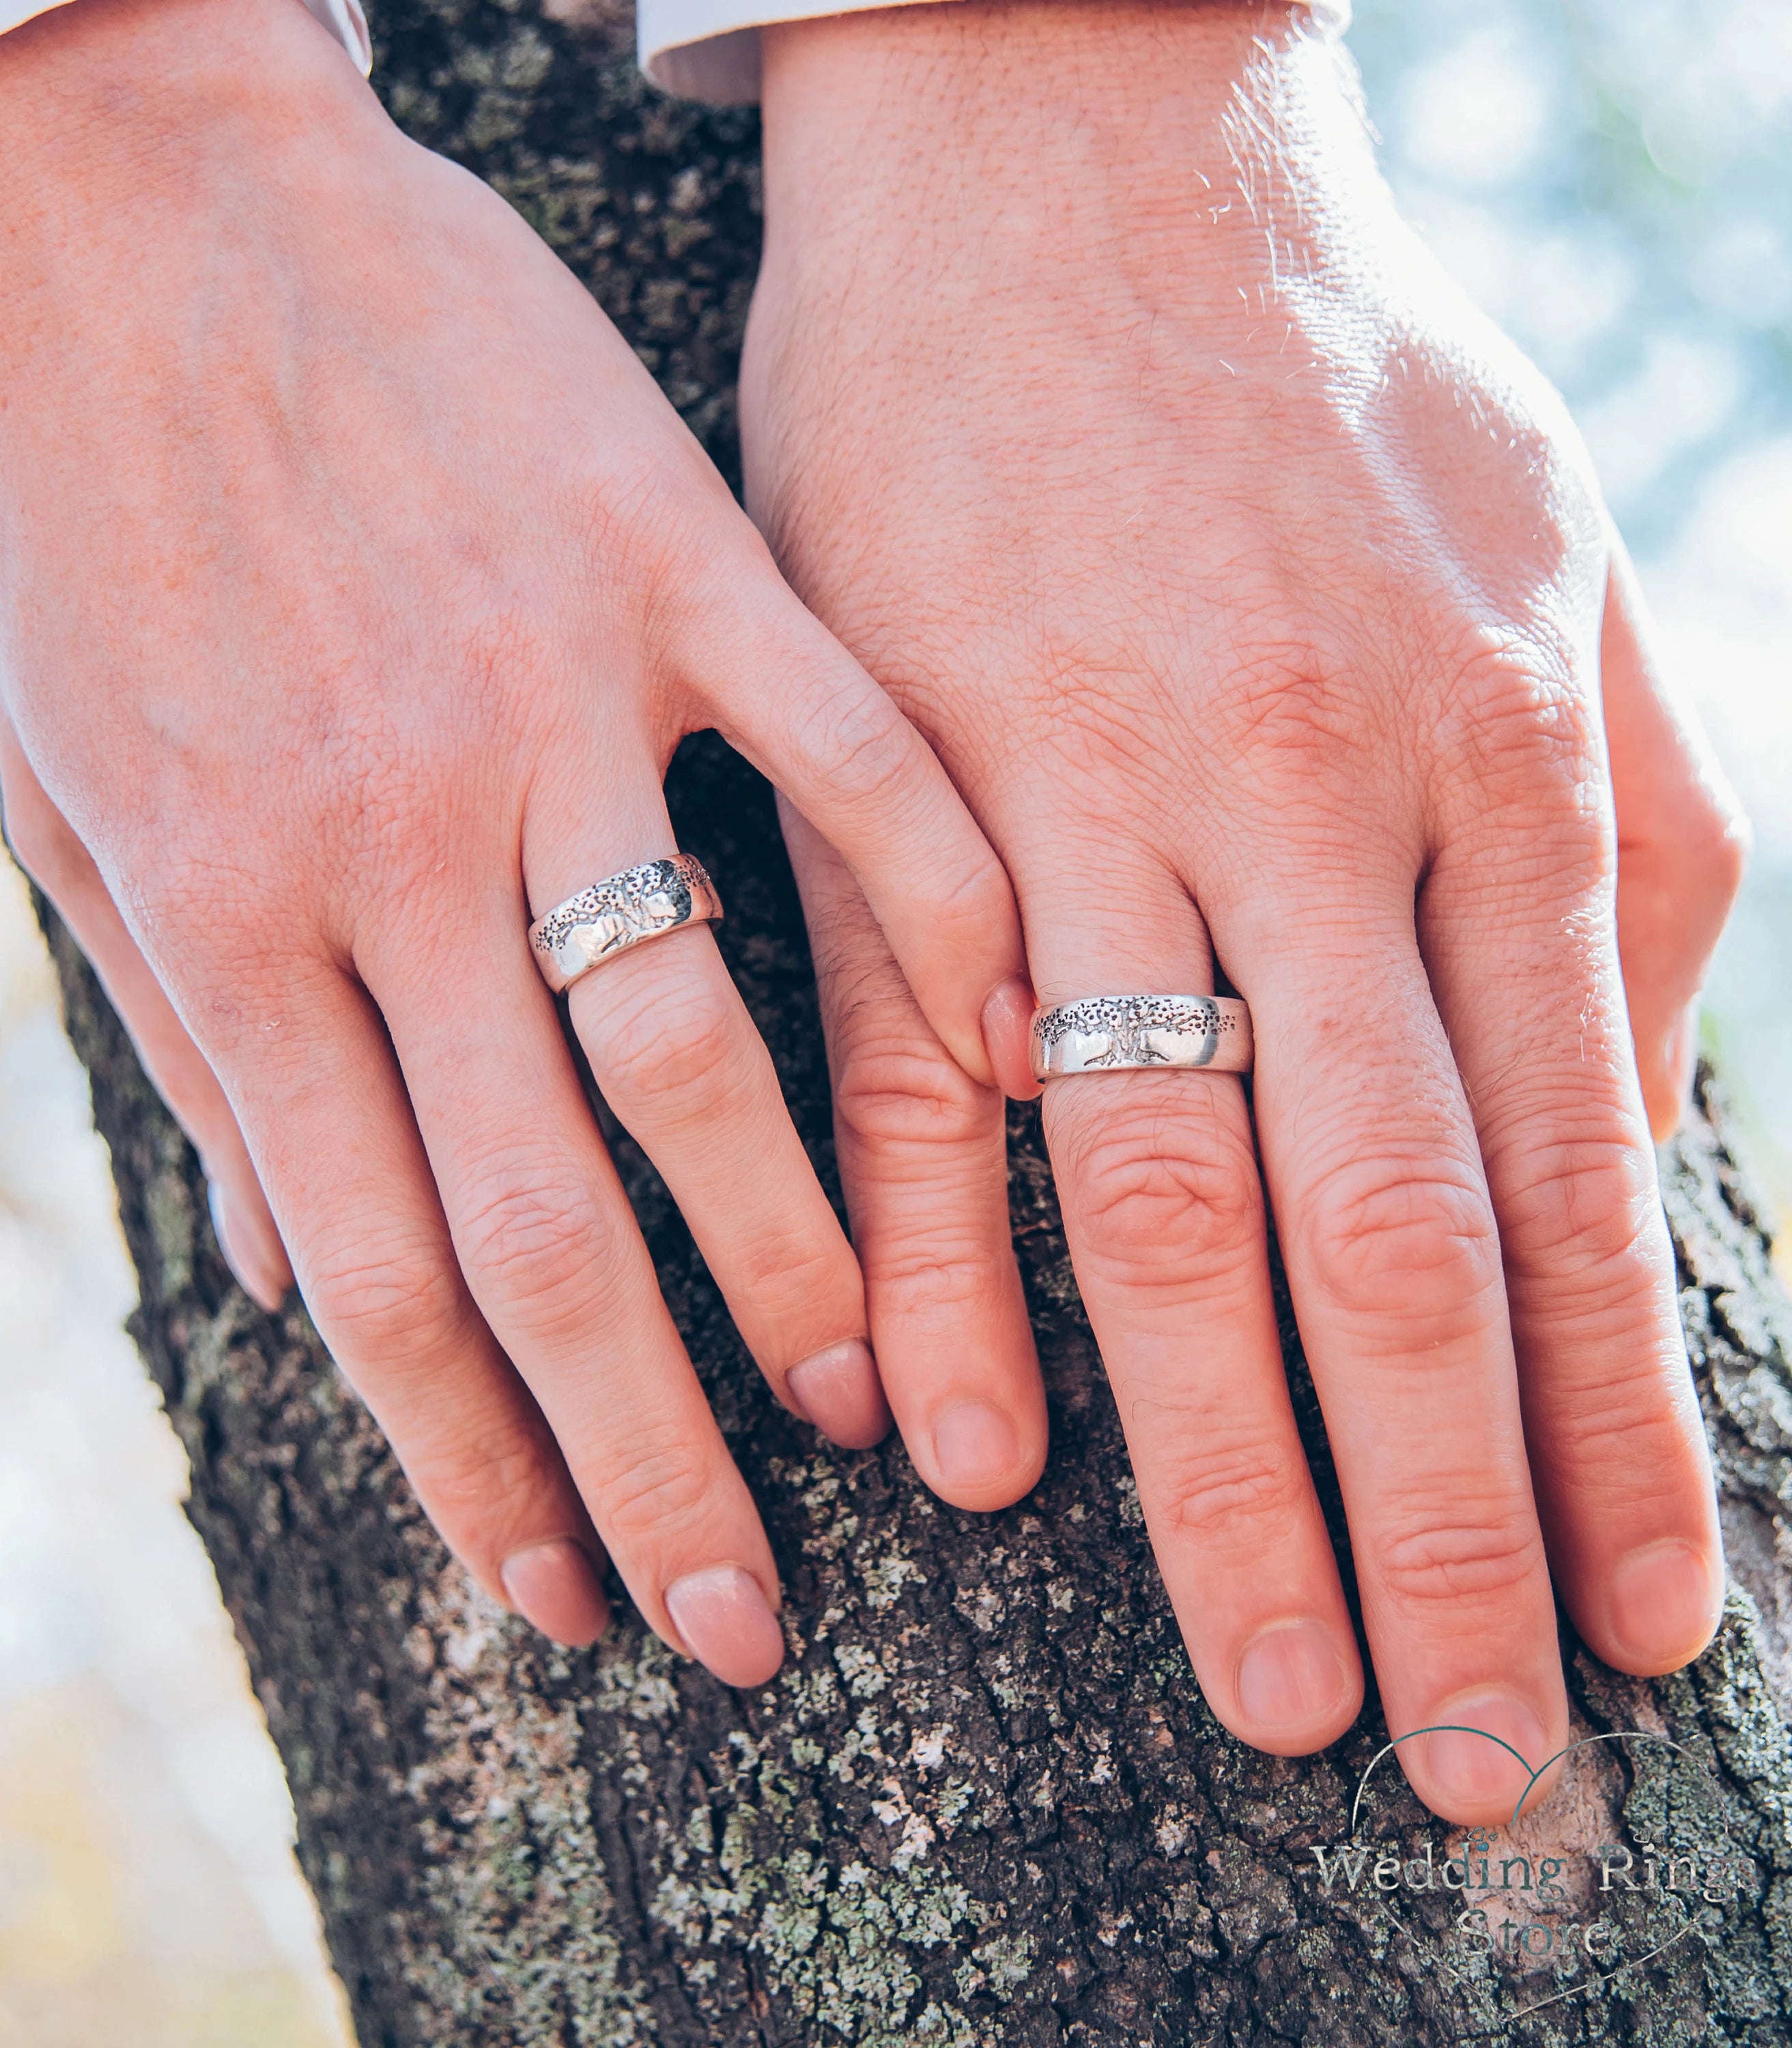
(1163, 1212)
(679, 1060)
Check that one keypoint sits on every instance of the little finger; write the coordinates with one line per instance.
(1682, 845)
(53, 856)
(331, 1133)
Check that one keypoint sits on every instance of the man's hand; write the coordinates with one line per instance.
(355, 586)
(1252, 590)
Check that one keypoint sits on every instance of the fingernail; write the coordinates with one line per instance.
(1665, 1600)
(726, 1622)
(839, 1392)
(1465, 1775)
(252, 1275)
(554, 1585)
(1291, 1677)
(1006, 1021)
(975, 1446)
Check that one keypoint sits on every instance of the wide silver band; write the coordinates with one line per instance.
(624, 910)
(1111, 1034)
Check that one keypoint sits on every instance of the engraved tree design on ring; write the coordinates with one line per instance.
(655, 896)
(1128, 1023)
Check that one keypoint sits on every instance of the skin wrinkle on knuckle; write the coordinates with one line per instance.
(397, 1307)
(540, 1241)
(1399, 1240)
(1235, 1494)
(1287, 719)
(652, 1483)
(1522, 753)
(490, 1483)
(1157, 1198)
(675, 1053)
(1529, 878)
(862, 747)
(977, 897)
(1623, 1446)
(1432, 1556)
(786, 1276)
(1580, 1216)
(910, 1095)
(908, 1266)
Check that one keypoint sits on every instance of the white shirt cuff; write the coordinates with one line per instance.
(709, 49)
(344, 19)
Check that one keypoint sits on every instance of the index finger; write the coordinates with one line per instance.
(835, 744)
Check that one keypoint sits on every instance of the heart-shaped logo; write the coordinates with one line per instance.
(1717, 1854)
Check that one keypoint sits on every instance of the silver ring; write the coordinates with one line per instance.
(623, 911)
(1113, 1034)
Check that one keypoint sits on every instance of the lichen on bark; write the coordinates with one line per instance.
(984, 1802)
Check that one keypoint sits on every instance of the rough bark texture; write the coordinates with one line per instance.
(984, 1802)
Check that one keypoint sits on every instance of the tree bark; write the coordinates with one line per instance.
(984, 1802)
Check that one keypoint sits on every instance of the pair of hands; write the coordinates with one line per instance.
(1256, 599)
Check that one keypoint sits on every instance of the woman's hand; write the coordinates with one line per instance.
(1251, 588)
(355, 586)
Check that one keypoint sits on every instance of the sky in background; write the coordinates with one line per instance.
(1613, 179)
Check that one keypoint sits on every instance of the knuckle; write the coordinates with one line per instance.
(384, 1301)
(1226, 1492)
(907, 1094)
(688, 555)
(466, 1474)
(667, 1483)
(978, 899)
(1581, 1214)
(868, 748)
(536, 1240)
(935, 1268)
(1289, 711)
(1433, 1557)
(1154, 1193)
(1715, 840)
(1632, 1435)
(673, 1052)
(784, 1277)
(1523, 738)
(1401, 1240)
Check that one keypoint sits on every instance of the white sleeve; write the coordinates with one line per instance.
(709, 49)
(344, 19)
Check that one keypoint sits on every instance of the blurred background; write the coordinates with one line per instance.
(1613, 179)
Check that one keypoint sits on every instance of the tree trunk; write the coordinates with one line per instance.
(984, 1801)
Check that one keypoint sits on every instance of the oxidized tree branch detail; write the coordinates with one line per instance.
(641, 903)
(1119, 1031)
(983, 1803)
